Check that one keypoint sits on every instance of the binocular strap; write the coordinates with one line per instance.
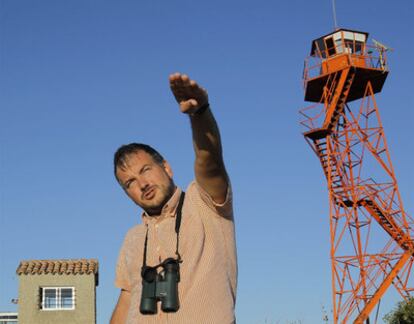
(178, 217)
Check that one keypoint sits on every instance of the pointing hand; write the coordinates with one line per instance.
(189, 95)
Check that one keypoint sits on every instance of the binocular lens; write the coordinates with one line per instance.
(148, 306)
(149, 274)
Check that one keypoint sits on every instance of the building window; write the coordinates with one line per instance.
(8, 318)
(58, 298)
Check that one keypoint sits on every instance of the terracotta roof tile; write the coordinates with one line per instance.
(64, 267)
(43, 267)
(70, 266)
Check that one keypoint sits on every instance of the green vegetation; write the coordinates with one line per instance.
(402, 314)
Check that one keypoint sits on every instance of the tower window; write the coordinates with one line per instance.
(330, 46)
(57, 298)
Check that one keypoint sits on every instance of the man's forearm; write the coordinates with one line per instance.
(209, 167)
(120, 312)
(206, 139)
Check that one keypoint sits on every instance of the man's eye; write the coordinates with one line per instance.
(128, 184)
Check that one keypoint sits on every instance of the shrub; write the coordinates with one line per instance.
(402, 314)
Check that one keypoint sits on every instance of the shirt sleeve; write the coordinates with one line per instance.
(224, 209)
(122, 280)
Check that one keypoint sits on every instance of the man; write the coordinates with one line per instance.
(204, 245)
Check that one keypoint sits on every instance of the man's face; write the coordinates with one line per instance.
(146, 182)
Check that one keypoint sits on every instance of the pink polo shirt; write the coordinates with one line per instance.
(207, 290)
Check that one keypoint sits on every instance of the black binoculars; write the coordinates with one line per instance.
(161, 286)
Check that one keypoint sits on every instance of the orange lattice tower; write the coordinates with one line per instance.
(372, 245)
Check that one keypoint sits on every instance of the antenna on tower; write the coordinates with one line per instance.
(381, 49)
(334, 14)
(382, 46)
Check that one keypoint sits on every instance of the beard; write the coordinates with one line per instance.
(163, 195)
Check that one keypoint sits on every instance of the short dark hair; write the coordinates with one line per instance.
(124, 151)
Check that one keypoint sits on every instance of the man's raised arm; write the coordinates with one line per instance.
(209, 167)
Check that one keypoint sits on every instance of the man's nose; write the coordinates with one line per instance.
(144, 185)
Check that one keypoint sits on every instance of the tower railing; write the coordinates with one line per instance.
(370, 56)
(315, 114)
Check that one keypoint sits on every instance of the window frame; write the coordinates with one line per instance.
(59, 300)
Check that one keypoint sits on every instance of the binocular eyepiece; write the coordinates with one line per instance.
(161, 286)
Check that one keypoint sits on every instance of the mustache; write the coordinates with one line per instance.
(146, 190)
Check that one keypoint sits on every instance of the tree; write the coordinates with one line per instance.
(402, 314)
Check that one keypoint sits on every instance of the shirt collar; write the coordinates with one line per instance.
(168, 210)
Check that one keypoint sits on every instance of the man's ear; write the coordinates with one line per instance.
(167, 168)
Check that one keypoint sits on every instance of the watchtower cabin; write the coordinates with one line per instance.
(338, 71)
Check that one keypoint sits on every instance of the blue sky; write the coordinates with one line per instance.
(80, 78)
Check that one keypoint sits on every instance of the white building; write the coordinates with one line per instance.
(8, 318)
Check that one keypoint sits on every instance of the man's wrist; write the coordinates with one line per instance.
(201, 110)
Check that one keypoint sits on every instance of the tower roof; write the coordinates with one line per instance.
(62, 266)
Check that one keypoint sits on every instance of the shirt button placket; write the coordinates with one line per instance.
(154, 243)
(157, 243)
